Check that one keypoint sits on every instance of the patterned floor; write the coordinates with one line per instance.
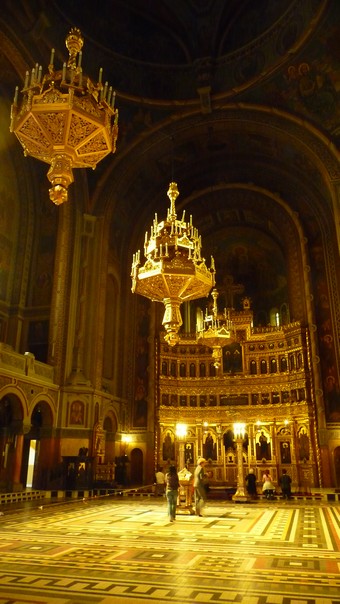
(109, 551)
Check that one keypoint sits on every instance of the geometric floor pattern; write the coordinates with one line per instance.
(123, 551)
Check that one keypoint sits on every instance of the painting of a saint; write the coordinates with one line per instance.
(303, 445)
(285, 452)
(263, 449)
(209, 447)
(77, 413)
(168, 448)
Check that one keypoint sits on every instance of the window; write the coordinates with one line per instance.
(192, 370)
(203, 370)
(253, 368)
(283, 364)
(273, 366)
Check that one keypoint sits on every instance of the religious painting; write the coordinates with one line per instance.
(228, 441)
(209, 447)
(303, 443)
(168, 447)
(77, 413)
(285, 452)
(189, 453)
(232, 358)
(263, 446)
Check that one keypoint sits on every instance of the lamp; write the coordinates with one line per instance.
(239, 433)
(126, 438)
(216, 331)
(65, 119)
(181, 430)
(174, 270)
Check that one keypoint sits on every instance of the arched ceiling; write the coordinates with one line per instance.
(215, 95)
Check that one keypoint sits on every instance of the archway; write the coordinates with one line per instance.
(39, 449)
(11, 440)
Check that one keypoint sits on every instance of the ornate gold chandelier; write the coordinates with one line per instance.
(174, 270)
(216, 330)
(65, 119)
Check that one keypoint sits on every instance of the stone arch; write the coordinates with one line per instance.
(40, 448)
(11, 439)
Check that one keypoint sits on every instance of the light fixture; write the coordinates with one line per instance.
(65, 119)
(181, 430)
(239, 430)
(126, 438)
(216, 330)
(174, 270)
(239, 433)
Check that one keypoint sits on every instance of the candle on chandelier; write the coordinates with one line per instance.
(52, 57)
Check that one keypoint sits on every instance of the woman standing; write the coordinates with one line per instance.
(199, 487)
(172, 486)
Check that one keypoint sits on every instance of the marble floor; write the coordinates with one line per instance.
(122, 550)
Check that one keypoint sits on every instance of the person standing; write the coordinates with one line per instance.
(200, 492)
(172, 486)
(285, 484)
(251, 483)
(160, 482)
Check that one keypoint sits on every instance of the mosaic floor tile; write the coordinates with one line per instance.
(107, 551)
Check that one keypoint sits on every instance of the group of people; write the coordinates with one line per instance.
(169, 484)
(268, 488)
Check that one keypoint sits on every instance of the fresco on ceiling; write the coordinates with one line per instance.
(249, 263)
(311, 85)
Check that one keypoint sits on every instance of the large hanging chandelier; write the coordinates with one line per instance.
(174, 270)
(65, 119)
(216, 330)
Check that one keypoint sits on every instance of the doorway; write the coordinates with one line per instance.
(136, 458)
(32, 453)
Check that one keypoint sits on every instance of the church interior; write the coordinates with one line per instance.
(221, 135)
(209, 327)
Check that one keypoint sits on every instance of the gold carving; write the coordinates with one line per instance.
(64, 114)
(174, 270)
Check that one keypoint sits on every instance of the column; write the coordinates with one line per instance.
(240, 495)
